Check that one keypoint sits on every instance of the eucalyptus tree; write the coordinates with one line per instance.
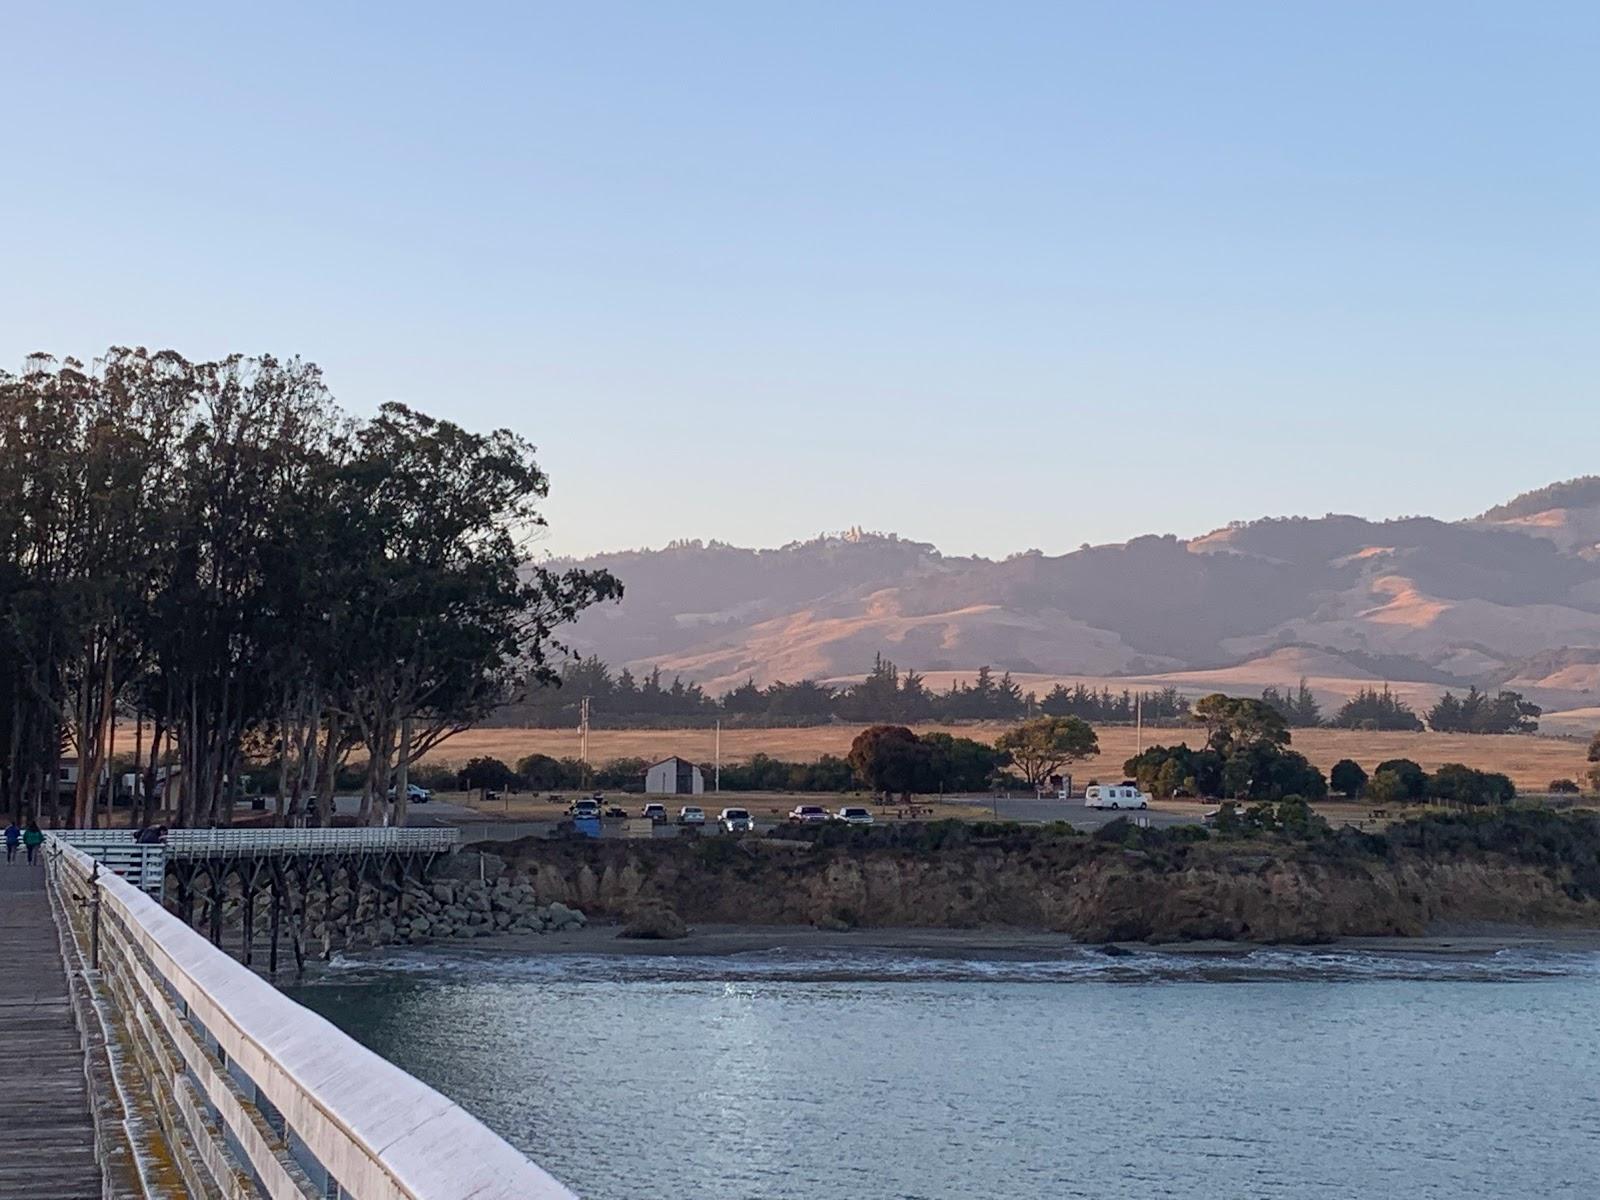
(302, 614)
(35, 440)
(88, 453)
(224, 627)
(216, 547)
(444, 613)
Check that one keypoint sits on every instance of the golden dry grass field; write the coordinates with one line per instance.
(1532, 762)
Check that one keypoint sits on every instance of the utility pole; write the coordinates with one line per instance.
(1138, 723)
(718, 785)
(583, 739)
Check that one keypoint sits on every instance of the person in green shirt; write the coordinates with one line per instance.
(32, 838)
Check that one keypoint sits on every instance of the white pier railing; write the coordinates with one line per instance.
(204, 843)
(270, 1098)
(144, 864)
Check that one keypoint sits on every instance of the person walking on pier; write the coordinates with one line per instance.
(32, 838)
(13, 836)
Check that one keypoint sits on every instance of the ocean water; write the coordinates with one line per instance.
(842, 1076)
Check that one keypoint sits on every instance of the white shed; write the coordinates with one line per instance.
(674, 777)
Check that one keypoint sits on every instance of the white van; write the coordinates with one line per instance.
(1121, 795)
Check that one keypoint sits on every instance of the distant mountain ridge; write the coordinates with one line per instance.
(1512, 594)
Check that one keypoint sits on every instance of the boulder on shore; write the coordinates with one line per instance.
(655, 924)
(560, 918)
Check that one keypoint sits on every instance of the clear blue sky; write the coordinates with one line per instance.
(992, 275)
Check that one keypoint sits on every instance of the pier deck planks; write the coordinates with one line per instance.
(46, 1133)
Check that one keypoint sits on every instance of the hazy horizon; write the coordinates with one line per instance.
(997, 279)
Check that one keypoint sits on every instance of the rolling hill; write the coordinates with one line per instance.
(1510, 597)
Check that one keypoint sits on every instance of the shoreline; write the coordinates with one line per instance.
(996, 945)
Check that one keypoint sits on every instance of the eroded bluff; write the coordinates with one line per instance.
(1075, 885)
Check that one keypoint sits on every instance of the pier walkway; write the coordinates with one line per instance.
(46, 1131)
(205, 1081)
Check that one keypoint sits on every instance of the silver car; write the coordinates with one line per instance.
(736, 820)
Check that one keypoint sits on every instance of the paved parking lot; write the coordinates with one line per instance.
(1025, 809)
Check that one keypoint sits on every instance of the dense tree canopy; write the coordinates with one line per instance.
(1233, 721)
(1378, 710)
(1246, 756)
(1454, 783)
(215, 551)
(1410, 780)
(892, 760)
(1478, 712)
(888, 759)
(619, 699)
(1298, 706)
(1347, 778)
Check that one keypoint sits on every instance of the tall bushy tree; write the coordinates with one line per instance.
(1347, 778)
(1246, 756)
(88, 456)
(1044, 745)
(242, 617)
(1478, 712)
(889, 759)
(1232, 721)
(1382, 710)
(436, 517)
(214, 547)
(1298, 705)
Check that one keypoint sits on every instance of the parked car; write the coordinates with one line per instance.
(415, 794)
(654, 812)
(584, 808)
(736, 820)
(854, 815)
(807, 814)
(690, 815)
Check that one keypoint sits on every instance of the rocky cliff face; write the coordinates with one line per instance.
(1092, 892)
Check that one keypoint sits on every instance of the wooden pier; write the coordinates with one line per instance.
(47, 1136)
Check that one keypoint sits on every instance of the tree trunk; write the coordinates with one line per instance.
(55, 781)
(135, 801)
(283, 760)
(325, 781)
(149, 798)
(80, 734)
(402, 781)
(304, 775)
(370, 783)
(109, 757)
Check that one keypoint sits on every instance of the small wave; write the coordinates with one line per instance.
(869, 965)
